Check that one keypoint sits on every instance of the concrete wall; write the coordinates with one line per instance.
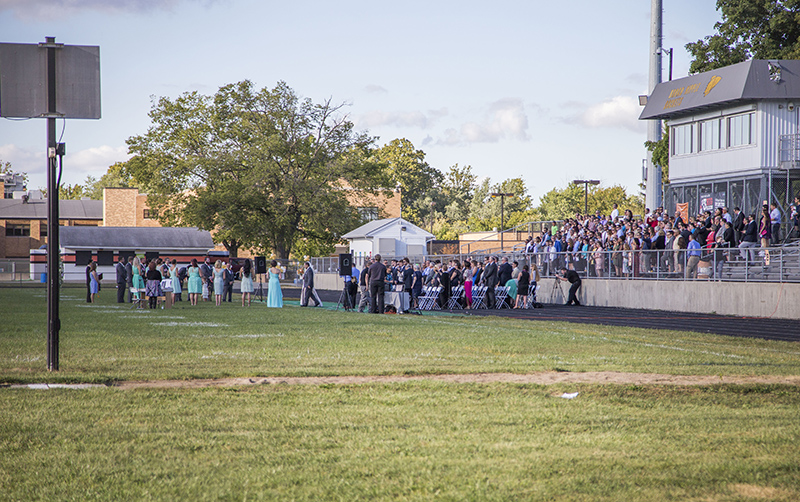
(750, 299)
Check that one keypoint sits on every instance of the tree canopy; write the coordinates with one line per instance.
(761, 29)
(262, 168)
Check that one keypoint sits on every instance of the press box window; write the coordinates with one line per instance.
(710, 135)
(740, 130)
(683, 139)
(18, 230)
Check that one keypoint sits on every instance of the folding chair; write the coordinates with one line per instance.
(455, 295)
(500, 294)
(478, 294)
(429, 301)
(137, 298)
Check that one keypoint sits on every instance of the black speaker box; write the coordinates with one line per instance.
(261, 265)
(345, 264)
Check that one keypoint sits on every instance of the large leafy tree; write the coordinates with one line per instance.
(261, 168)
(761, 29)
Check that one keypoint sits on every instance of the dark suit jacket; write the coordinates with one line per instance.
(490, 275)
(750, 232)
(738, 222)
(129, 271)
(122, 275)
(504, 273)
(308, 278)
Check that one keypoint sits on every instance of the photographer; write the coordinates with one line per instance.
(575, 280)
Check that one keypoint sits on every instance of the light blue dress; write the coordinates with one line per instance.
(247, 283)
(176, 281)
(219, 284)
(274, 295)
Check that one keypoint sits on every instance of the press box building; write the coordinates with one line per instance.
(734, 136)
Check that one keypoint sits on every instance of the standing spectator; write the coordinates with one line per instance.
(274, 294)
(227, 283)
(775, 219)
(738, 225)
(795, 219)
(246, 286)
(129, 275)
(122, 279)
(504, 271)
(195, 283)
(94, 281)
(416, 285)
(490, 279)
(307, 292)
(364, 286)
(469, 275)
(376, 276)
(765, 232)
(523, 283)
(176, 280)
(749, 238)
(153, 289)
(693, 253)
(219, 282)
(207, 276)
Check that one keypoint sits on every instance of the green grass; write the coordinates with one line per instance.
(413, 441)
(109, 342)
(420, 440)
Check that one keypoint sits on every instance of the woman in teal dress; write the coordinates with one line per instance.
(176, 280)
(274, 295)
(138, 281)
(195, 284)
(219, 282)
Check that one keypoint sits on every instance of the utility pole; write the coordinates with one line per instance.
(502, 200)
(586, 184)
(653, 183)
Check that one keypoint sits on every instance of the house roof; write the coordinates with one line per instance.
(135, 238)
(37, 209)
(739, 83)
(376, 227)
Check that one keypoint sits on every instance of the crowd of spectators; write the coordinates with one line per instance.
(621, 245)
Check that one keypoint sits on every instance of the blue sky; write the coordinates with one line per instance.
(542, 90)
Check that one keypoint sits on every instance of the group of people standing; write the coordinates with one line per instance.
(380, 276)
(202, 280)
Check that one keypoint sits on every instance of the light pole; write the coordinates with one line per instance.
(586, 184)
(502, 196)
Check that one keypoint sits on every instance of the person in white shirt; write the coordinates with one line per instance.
(775, 217)
(614, 213)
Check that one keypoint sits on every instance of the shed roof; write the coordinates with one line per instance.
(138, 238)
(375, 227)
(739, 83)
(37, 209)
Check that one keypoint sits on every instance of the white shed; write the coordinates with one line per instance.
(391, 238)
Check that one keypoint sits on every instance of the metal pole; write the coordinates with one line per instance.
(502, 198)
(53, 269)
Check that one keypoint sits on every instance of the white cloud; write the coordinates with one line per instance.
(89, 162)
(55, 9)
(503, 119)
(400, 119)
(620, 111)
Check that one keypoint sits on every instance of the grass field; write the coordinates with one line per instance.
(418, 440)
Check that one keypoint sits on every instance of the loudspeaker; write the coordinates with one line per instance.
(261, 265)
(345, 264)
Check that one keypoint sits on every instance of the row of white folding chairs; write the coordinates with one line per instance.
(429, 298)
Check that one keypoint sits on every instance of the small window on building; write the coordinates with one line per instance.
(710, 135)
(43, 229)
(368, 213)
(740, 130)
(683, 139)
(18, 230)
(150, 214)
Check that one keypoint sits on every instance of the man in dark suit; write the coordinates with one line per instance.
(504, 271)
(122, 279)
(490, 279)
(738, 225)
(227, 280)
(129, 272)
(376, 277)
(750, 238)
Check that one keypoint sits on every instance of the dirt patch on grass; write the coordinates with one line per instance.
(543, 378)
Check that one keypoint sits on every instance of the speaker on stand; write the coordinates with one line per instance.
(261, 268)
(345, 270)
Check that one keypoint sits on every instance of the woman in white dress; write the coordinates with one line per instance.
(247, 282)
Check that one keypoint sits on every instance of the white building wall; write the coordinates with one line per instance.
(775, 120)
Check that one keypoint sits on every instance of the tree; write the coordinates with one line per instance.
(660, 151)
(407, 169)
(559, 204)
(261, 168)
(761, 29)
(485, 211)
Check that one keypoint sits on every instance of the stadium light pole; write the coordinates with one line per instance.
(502, 196)
(586, 184)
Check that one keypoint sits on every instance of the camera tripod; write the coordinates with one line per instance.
(557, 287)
